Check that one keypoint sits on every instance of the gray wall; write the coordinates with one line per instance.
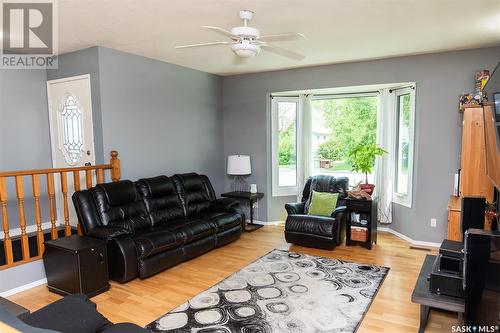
(440, 78)
(24, 128)
(162, 118)
(79, 63)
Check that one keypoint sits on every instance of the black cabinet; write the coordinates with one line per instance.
(76, 264)
(361, 222)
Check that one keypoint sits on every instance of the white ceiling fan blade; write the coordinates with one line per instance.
(221, 31)
(200, 44)
(282, 37)
(282, 51)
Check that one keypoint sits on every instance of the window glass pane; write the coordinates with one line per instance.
(287, 143)
(403, 144)
(71, 122)
(339, 125)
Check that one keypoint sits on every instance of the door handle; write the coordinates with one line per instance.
(88, 152)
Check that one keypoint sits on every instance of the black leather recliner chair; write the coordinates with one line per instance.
(324, 232)
(157, 222)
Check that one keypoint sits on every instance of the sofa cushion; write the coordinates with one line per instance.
(118, 204)
(161, 199)
(196, 192)
(60, 316)
(310, 224)
(222, 221)
(153, 241)
(192, 230)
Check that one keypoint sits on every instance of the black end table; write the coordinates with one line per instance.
(367, 210)
(76, 264)
(251, 198)
(427, 299)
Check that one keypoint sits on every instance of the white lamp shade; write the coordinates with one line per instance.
(238, 165)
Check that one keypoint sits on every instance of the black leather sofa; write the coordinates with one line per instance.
(71, 314)
(324, 232)
(156, 223)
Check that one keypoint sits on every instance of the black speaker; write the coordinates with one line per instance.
(473, 213)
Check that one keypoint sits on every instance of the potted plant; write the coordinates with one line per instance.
(363, 160)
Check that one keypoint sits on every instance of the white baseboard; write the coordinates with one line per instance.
(408, 239)
(269, 223)
(23, 287)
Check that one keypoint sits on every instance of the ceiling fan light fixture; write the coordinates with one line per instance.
(245, 50)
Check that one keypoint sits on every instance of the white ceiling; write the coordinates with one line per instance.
(336, 30)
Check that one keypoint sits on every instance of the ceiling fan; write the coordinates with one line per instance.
(247, 42)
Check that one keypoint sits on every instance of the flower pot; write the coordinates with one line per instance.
(368, 188)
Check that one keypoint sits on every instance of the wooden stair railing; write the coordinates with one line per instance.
(63, 173)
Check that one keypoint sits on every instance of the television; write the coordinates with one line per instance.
(482, 280)
(492, 127)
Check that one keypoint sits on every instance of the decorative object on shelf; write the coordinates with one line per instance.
(467, 100)
(253, 188)
(482, 78)
(363, 160)
(491, 212)
(239, 166)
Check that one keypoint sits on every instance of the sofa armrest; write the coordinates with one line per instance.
(295, 208)
(223, 204)
(122, 258)
(339, 210)
(339, 215)
(108, 232)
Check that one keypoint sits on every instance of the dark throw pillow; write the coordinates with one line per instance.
(71, 314)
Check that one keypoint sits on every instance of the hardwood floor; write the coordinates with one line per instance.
(142, 301)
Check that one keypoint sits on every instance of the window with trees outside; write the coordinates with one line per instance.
(339, 124)
(404, 146)
(285, 114)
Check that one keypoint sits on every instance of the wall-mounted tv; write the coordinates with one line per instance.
(492, 127)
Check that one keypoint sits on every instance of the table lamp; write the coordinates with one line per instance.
(238, 166)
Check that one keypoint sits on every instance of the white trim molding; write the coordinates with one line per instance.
(23, 287)
(408, 239)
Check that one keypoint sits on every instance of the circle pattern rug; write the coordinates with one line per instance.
(281, 292)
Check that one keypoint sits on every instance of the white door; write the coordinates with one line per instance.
(71, 133)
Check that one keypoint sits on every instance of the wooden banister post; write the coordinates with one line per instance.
(115, 166)
(38, 214)
(64, 189)
(52, 205)
(22, 219)
(7, 242)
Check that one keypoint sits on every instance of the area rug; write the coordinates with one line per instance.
(281, 292)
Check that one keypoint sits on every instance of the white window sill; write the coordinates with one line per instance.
(285, 192)
(402, 200)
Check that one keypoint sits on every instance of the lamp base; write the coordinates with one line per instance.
(239, 184)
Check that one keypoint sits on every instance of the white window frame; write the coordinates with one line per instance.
(279, 191)
(404, 199)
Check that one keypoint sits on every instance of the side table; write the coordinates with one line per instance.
(76, 264)
(363, 210)
(427, 299)
(251, 198)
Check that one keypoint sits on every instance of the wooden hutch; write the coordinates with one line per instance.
(473, 178)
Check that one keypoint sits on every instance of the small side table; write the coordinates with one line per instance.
(251, 197)
(427, 299)
(367, 210)
(76, 264)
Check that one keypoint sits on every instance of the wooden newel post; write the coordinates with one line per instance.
(115, 166)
